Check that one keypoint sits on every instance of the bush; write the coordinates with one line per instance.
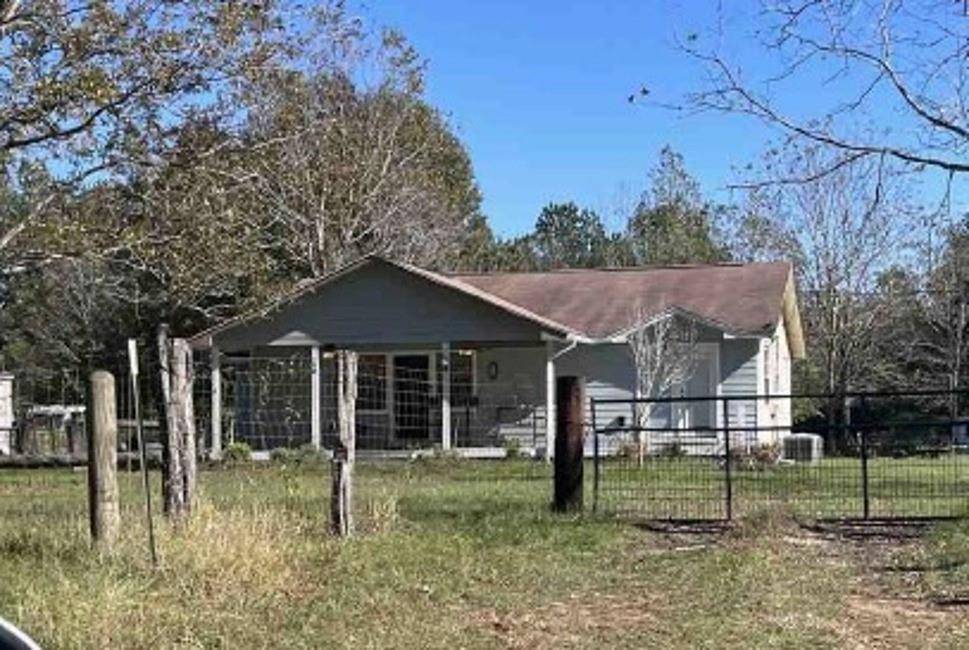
(303, 455)
(513, 448)
(237, 452)
(757, 457)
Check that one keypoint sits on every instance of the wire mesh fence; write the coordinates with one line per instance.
(401, 405)
(874, 456)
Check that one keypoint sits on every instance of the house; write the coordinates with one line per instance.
(469, 361)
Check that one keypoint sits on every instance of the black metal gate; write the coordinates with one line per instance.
(874, 455)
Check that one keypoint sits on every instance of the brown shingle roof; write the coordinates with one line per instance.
(742, 298)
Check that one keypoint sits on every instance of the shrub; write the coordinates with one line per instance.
(513, 448)
(283, 455)
(757, 457)
(302, 455)
(237, 452)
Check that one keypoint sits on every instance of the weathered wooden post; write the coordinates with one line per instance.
(341, 511)
(103, 460)
(183, 379)
(179, 462)
(171, 445)
(569, 444)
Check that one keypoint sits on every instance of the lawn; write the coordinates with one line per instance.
(459, 554)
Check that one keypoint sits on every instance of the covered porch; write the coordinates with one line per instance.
(439, 368)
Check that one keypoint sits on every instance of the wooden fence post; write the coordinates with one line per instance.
(171, 445)
(183, 379)
(341, 512)
(569, 444)
(103, 460)
(179, 462)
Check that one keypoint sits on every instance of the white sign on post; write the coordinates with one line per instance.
(6, 412)
(133, 356)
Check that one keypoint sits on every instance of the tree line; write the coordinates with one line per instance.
(183, 162)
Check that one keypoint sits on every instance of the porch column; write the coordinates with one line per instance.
(445, 396)
(549, 400)
(315, 416)
(216, 379)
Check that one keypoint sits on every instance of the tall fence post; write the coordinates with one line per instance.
(569, 446)
(183, 379)
(105, 517)
(595, 456)
(179, 450)
(728, 477)
(171, 443)
(341, 513)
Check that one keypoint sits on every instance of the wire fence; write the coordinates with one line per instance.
(874, 456)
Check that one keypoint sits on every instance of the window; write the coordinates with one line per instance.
(372, 382)
(462, 377)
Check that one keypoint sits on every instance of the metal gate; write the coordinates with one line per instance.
(872, 455)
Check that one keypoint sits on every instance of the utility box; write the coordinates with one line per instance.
(803, 447)
(6, 413)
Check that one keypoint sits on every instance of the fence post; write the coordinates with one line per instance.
(569, 400)
(215, 450)
(102, 461)
(171, 444)
(726, 460)
(341, 502)
(182, 381)
(595, 456)
(863, 435)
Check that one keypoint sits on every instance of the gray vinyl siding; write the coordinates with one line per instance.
(738, 369)
(380, 304)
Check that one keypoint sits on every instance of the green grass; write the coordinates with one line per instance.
(450, 554)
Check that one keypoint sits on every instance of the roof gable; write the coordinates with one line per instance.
(375, 301)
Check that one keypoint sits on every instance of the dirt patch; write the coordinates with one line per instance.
(579, 620)
(879, 622)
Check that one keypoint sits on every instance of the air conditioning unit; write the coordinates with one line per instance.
(803, 447)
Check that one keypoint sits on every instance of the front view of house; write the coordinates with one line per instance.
(469, 361)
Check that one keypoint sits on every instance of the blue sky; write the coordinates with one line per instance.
(537, 92)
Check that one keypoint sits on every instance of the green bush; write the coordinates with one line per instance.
(513, 448)
(303, 455)
(237, 452)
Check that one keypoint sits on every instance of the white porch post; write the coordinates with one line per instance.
(315, 416)
(549, 400)
(445, 396)
(216, 380)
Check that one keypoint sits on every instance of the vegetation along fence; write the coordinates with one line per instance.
(870, 455)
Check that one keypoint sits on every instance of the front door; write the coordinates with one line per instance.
(412, 390)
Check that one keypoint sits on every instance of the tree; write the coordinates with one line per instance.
(90, 89)
(663, 350)
(341, 170)
(278, 168)
(844, 229)
(672, 224)
(873, 58)
(566, 236)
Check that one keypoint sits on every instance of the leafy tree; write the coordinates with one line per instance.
(672, 224)
(89, 90)
(566, 236)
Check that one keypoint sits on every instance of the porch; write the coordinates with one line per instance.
(473, 399)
